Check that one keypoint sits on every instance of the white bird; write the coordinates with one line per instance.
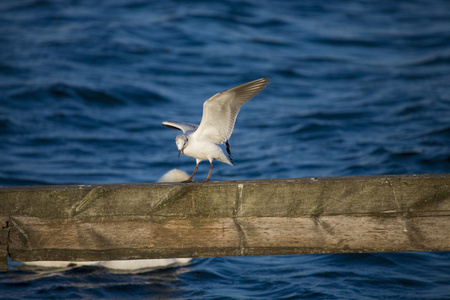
(219, 115)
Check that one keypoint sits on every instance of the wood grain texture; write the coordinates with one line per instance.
(255, 217)
(4, 239)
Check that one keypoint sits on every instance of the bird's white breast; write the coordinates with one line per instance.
(204, 150)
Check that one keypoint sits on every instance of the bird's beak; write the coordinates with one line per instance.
(179, 152)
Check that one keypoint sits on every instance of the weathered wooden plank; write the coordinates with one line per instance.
(159, 238)
(221, 236)
(254, 217)
(286, 197)
(342, 234)
(4, 240)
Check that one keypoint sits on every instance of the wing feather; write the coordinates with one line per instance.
(185, 127)
(220, 111)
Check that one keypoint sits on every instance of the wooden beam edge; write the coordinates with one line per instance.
(239, 236)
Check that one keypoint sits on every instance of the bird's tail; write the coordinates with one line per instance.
(229, 152)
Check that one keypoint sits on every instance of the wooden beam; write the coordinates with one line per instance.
(253, 217)
(4, 238)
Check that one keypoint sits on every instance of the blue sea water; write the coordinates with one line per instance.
(357, 88)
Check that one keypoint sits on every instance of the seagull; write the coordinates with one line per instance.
(219, 115)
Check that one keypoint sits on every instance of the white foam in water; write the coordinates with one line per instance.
(173, 175)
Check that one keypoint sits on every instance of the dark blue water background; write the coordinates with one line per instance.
(358, 88)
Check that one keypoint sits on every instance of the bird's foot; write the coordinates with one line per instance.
(188, 180)
(206, 180)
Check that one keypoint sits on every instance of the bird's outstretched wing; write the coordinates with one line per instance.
(220, 111)
(185, 127)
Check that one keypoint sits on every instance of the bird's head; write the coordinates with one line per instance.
(182, 141)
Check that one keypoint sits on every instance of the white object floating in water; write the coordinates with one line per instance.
(131, 265)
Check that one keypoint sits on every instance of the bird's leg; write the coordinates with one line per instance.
(192, 176)
(209, 174)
